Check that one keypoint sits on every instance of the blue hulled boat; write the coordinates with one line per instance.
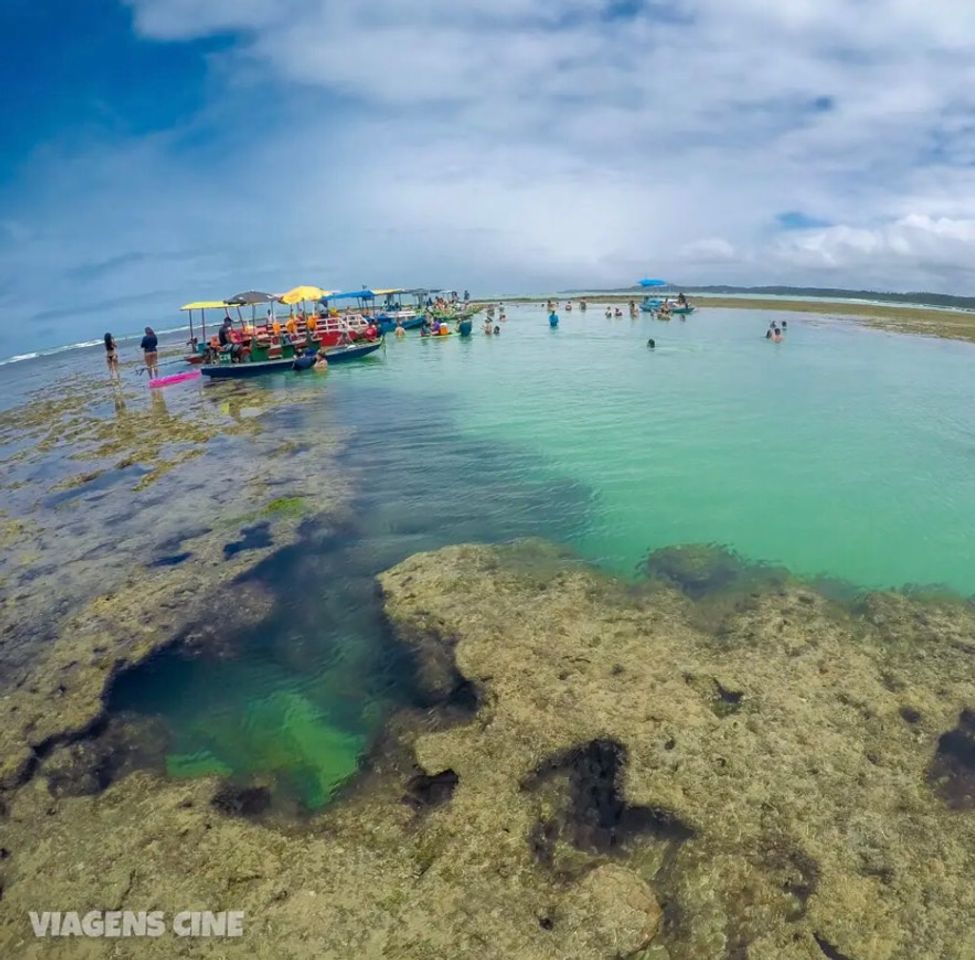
(239, 371)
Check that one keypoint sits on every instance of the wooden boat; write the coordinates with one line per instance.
(255, 368)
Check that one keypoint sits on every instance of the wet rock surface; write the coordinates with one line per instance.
(96, 582)
(624, 784)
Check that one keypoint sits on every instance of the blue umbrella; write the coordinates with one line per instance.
(653, 283)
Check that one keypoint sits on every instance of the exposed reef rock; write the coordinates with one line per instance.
(629, 785)
(810, 763)
(94, 582)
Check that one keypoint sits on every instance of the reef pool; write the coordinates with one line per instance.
(844, 453)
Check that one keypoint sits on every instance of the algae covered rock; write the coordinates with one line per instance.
(773, 781)
(695, 568)
(621, 783)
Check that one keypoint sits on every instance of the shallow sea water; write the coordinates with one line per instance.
(843, 452)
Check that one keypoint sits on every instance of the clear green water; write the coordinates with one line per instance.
(842, 452)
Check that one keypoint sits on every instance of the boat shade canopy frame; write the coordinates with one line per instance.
(206, 305)
(298, 294)
(250, 297)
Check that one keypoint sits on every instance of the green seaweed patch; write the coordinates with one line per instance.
(202, 763)
(286, 506)
(283, 736)
(279, 508)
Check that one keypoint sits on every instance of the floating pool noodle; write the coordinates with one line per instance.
(175, 378)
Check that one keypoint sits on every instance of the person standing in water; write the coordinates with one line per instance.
(111, 354)
(150, 352)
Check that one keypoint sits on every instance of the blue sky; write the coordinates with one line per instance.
(157, 151)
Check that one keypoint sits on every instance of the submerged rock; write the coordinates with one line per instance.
(626, 784)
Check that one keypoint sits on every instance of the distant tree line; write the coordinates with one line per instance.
(927, 299)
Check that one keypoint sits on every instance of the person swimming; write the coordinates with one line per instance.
(609, 313)
(400, 332)
(497, 331)
(651, 343)
(617, 312)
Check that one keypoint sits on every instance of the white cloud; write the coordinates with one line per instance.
(528, 143)
(937, 246)
(709, 250)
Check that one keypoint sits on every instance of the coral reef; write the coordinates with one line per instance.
(98, 575)
(622, 783)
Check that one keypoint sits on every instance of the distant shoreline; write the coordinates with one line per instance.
(940, 322)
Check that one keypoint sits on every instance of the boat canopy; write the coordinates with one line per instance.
(250, 297)
(389, 292)
(353, 295)
(206, 305)
(297, 294)
(647, 282)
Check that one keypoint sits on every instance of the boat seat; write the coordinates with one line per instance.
(274, 353)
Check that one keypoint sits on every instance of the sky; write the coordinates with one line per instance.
(160, 151)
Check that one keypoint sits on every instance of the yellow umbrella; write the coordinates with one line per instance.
(298, 294)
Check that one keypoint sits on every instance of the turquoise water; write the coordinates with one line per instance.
(842, 452)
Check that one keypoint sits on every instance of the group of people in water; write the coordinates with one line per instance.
(299, 327)
(665, 307)
(150, 353)
(490, 327)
